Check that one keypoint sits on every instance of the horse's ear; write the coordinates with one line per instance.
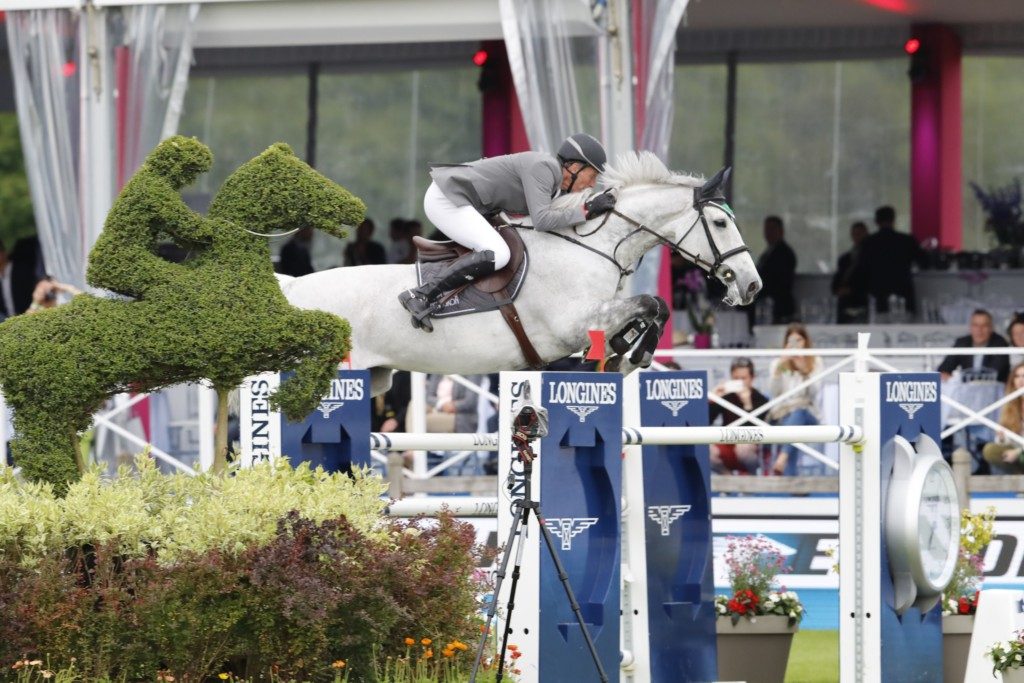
(715, 187)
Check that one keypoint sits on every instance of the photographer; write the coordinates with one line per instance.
(49, 293)
(738, 390)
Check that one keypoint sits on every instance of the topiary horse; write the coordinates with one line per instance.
(219, 316)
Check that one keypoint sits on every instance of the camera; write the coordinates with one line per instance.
(530, 420)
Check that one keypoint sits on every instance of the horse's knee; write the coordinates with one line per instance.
(380, 380)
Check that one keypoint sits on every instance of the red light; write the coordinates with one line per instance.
(69, 69)
(480, 58)
(912, 46)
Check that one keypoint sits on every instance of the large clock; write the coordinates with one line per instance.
(922, 523)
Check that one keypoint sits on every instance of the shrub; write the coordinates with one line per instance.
(191, 577)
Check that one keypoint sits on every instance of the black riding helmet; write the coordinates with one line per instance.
(584, 148)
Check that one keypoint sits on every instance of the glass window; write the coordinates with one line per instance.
(378, 133)
(240, 116)
(993, 138)
(698, 129)
(821, 144)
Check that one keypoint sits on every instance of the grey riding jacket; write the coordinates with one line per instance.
(523, 183)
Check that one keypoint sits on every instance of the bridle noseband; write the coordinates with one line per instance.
(715, 267)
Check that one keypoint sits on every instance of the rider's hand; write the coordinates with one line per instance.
(601, 204)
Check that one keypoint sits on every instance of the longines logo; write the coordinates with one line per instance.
(582, 411)
(911, 408)
(328, 407)
(674, 406)
(659, 389)
(566, 528)
(911, 396)
(664, 515)
(594, 393)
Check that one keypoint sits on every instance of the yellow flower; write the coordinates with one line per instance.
(223, 676)
(428, 654)
(448, 653)
(339, 664)
(459, 645)
(410, 641)
(426, 641)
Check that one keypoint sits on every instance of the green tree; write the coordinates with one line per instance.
(16, 218)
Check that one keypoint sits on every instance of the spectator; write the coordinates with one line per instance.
(295, 254)
(1002, 454)
(886, 258)
(981, 336)
(800, 407)
(365, 251)
(777, 268)
(390, 408)
(401, 249)
(848, 283)
(451, 406)
(1015, 333)
(738, 390)
(49, 293)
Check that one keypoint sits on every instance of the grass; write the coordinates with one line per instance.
(814, 658)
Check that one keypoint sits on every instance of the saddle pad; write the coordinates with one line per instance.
(469, 299)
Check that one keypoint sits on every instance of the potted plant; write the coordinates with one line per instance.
(1008, 658)
(960, 599)
(756, 623)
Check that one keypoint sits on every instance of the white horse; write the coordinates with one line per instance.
(569, 290)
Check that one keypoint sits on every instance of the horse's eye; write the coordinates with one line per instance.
(720, 223)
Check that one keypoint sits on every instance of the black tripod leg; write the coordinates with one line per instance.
(513, 537)
(512, 598)
(564, 578)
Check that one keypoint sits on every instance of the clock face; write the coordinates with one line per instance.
(938, 525)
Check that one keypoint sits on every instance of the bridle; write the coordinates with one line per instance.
(715, 267)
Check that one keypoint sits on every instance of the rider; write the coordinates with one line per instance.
(526, 183)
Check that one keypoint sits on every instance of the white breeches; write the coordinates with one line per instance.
(464, 225)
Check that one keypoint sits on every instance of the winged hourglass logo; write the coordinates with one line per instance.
(674, 406)
(582, 411)
(328, 407)
(666, 514)
(568, 527)
(911, 408)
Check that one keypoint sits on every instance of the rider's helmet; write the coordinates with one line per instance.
(584, 148)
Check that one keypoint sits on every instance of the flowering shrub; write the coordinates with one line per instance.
(754, 564)
(147, 591)
(961, 595)
(1008, 654)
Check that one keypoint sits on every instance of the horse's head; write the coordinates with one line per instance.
(278, 192)
(689, 215)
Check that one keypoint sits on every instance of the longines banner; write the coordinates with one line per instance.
(805, 529)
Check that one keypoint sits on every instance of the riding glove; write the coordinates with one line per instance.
(601, 204)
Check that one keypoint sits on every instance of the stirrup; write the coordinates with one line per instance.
(419, 308)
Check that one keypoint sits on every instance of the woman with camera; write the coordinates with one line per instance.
(1003, 454)
(801, 406)
(49, 293)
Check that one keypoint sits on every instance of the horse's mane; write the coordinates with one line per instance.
(643, 168)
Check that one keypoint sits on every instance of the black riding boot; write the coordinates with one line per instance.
(421, 300)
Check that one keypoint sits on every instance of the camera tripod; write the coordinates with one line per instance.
(521, 440)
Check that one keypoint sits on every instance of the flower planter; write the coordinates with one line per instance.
(702, 340)
(956, 641)
(754, 650)
(1013, 675)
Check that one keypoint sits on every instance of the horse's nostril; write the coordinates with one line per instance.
(754, 286)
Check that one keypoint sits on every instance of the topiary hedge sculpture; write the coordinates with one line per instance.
(219, 316)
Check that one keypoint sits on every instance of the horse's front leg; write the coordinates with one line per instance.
(635, 326)
(321, 340)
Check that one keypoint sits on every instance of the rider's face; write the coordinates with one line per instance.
(584, 178)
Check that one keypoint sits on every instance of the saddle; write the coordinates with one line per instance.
(496, 291)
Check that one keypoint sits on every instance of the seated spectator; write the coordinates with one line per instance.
(981, 336)
(1015, 333)
(800, 407)
(738, 390)
(390, 408)
(1003, 455)
(365, 251)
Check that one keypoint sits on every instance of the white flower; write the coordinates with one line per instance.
(792, 614)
